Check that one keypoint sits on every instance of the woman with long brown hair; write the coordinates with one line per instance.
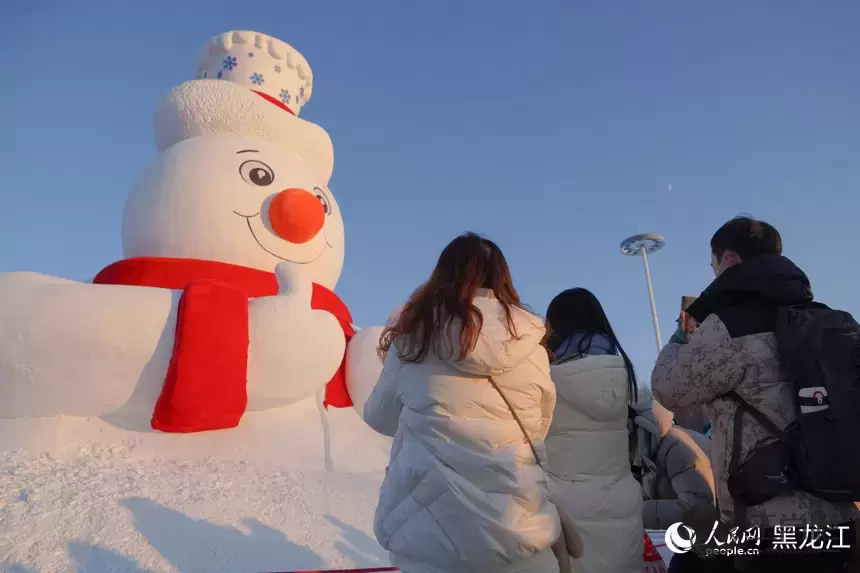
(463, 491)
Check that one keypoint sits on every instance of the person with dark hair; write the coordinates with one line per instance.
(590, 445)
(465, 392)
(732, 364)
(742, 239)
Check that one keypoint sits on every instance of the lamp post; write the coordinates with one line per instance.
(642, 245)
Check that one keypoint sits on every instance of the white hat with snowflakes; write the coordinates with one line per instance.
(251, 85)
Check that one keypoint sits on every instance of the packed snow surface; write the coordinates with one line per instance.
(288, 490)
(104, 509)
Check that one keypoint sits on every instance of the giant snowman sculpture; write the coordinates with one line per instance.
(195, 409)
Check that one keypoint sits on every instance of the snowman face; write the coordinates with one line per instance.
(241, 201)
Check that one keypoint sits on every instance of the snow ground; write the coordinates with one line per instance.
(287, 490)
(106, 510)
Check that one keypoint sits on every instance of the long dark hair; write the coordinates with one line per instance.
(468, 263)
(577, 311)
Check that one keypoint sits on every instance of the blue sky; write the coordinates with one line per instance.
(556, 128)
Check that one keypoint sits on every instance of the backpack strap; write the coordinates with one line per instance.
(746, 407)
(737, 440)
(734, 462)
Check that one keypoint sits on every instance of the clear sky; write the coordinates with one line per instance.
(556, 128)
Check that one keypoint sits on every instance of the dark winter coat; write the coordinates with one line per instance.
(734, 349)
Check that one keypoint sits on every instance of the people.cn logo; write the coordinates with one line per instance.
(819, 397)
(680, 538)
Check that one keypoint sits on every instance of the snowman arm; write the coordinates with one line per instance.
(80, 349)
(383, 407)
(363, 366)
(293, 352)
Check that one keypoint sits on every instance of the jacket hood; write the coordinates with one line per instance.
(771, 278)
(496, 352)
(594, 383)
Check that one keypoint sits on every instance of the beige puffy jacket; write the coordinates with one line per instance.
(462, 492)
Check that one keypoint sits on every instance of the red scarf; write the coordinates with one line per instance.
(206, 383)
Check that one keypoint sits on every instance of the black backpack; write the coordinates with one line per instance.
(818, 452)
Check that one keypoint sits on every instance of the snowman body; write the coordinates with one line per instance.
(212, 198)
(238, 184)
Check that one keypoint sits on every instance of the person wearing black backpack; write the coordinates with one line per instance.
(780, 376)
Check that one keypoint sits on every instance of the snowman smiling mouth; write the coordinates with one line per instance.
(256, 216)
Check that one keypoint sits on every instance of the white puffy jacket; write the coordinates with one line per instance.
(589, 463)
(677, 475)
(462, 491)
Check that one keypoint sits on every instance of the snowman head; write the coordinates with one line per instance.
(240, 178)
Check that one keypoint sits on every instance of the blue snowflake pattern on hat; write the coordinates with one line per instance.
(280, 76)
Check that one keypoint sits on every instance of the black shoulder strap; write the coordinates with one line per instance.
(737, 441)
(745, 407)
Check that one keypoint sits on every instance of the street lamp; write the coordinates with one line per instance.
(641, 245)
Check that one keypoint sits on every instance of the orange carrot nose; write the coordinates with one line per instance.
(296, 215)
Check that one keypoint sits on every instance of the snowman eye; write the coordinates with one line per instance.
(322, 198)
(257, 173)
